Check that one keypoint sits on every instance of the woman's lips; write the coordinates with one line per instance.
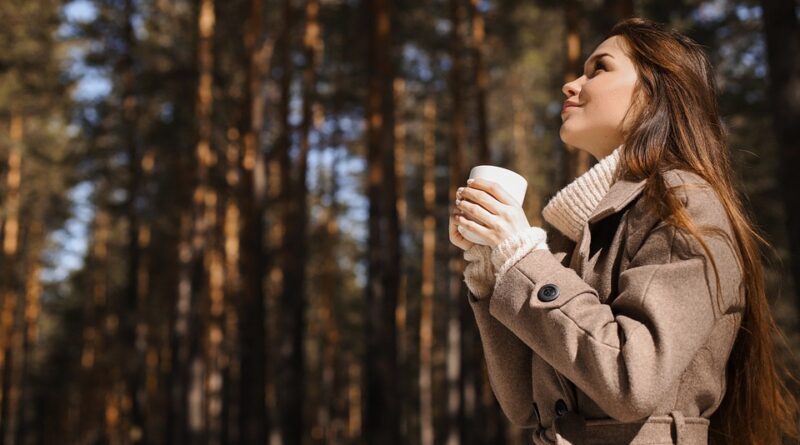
(567, 106)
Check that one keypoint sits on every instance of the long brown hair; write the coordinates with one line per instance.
(676, 124)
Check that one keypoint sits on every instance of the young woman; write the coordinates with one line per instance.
(643, 318)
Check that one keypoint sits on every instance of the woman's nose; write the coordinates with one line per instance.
(571, 88)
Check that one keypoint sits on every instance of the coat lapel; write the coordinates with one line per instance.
(620, 194)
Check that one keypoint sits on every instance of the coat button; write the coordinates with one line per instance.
(548, 292)
(561, 407)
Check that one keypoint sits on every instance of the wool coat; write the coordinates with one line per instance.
(620, 337)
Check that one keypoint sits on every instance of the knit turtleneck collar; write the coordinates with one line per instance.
(571, 206)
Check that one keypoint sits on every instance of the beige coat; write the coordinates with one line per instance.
(616, 339)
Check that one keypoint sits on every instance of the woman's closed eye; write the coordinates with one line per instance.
(597, 67)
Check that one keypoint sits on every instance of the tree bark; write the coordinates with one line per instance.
(782, 33)
(481, 76)
(381, 376)
(130, 311)
(254, 420)
(9, 296)
(456, 409)
(428, 273)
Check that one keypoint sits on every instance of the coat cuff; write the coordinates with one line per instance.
(513, 248)
(478, 274)
(522, 288)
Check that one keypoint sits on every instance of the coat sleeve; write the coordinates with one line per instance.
(625, 354)
(509, 359)
(508, 364)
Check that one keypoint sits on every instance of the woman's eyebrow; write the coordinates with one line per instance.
(594, 57)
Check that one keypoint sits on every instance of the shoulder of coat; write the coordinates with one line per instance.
(677, 177)
(689, 187)
(692, 189)
(701, 201)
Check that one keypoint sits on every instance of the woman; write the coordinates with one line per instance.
(643, 317)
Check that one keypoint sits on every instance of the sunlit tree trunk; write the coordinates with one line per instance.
(401, 318)
(428, 270)
(456, 409)
(9, 297)
(203, 204)
(178, 425)
(215, 334)
(29, 332)
(481, 76)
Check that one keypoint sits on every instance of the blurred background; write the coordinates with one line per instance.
(225, 221)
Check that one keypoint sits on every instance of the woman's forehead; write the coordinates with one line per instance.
(612, 45)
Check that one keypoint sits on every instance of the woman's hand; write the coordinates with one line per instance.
(455, 236)
(490, 211)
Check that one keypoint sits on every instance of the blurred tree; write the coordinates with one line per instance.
(782, 35)
(381, 414)
(36, 168)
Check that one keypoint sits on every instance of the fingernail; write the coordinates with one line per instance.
(458, 202)
(470, 181)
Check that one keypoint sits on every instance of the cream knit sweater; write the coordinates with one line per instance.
(567, 211)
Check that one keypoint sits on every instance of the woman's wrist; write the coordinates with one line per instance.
(513, 248)
(479, 273)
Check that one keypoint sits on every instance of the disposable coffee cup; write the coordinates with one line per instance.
(512, 182)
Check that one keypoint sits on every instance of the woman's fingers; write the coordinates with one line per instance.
(494, 189)
(485, 200)
(473, 226)
(455, 236)
(476, 212)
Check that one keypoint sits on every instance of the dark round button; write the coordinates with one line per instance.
(561, 407)
(548, 292)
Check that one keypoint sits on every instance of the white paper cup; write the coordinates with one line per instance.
(513, 183)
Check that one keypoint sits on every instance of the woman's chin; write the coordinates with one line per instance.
(566, 135)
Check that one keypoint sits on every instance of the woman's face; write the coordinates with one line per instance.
(603, 94)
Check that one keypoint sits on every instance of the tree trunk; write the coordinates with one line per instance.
(380, 409)
(782, 33)
(455, 384)
(428, 273)
(295, 244)
(481, 76)
(253, 417)
(8, 286)
(29, 331)
(130, 311)
(401, 315)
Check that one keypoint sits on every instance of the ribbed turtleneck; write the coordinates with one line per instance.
(571, 206)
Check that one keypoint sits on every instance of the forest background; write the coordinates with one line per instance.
(225, 221)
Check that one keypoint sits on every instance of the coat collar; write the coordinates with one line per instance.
(570, 208)
(620, 194)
